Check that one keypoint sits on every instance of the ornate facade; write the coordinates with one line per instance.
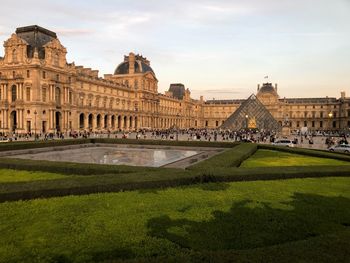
(41, 92)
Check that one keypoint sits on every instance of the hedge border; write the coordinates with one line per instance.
(211, 170)
(308, 152)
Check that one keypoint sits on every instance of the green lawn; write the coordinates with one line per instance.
(281, 221)
(9, 175)
(277, 158)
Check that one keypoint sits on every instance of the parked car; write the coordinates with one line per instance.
(284, 142)
(4, 140)
(343, 148)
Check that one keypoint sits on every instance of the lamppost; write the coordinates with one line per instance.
(35, 113)
(330, 115)
(246, 121)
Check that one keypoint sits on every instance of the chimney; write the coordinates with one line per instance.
(131, 63)
(258, 87)
(342, 94)
(276, 86)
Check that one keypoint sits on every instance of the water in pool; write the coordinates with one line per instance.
(114, 155)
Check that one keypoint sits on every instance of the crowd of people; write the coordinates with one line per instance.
(255, 136)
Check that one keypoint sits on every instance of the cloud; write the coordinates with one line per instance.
(74, 31)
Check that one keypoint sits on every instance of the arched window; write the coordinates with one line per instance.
(14, 93)
(14, 55)
(58, 95)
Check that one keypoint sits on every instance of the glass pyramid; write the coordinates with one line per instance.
(252, 114)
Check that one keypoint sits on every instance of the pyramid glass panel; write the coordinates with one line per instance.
(252, 114)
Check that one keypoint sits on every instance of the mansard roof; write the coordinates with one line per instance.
(35, 36)
(309, 100)
(234, 101)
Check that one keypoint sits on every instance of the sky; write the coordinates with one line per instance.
(219, 49)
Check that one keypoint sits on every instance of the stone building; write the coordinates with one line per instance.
(41, 92)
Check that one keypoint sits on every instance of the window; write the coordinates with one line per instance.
(57, 77)
(334, 114)
(14, 74)
(305, 123)
(14, 55)
(14, 93)
(58, 95)
(313, 124)
(44, 75)
(43, 94)
(334, 124)
(321, 124)
(28, 94)
(321, 114)
(206, 123)
(298, 124)
(28, 74)
(217, 123)
(70, 97)
(56, 59)
(0, 94)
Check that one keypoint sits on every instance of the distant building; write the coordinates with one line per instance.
(40, 91)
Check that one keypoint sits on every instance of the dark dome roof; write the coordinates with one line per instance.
(267, 88)
(140, 67)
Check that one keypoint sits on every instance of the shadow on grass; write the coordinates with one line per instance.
(250, 224)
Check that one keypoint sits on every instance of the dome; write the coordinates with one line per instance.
(140, 67)
(267, 88)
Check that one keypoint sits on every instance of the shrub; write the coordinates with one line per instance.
(229, 158)
(309, 152)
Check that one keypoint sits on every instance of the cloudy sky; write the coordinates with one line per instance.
(220, 49)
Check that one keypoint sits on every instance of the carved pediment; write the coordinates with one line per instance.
(56, 44)
(14, 40)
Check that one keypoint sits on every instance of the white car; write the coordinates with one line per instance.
(284, 142)
(343, 148)
(4, 140)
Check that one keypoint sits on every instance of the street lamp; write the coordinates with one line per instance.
(246, 120)
(330, 115)
(35, 113)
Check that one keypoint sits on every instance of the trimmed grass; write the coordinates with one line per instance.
(9, 175)
(279, 221)
(264, 158)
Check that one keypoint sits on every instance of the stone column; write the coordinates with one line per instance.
(94, 122)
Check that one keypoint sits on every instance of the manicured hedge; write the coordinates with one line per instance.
(108, 178)
(309, 152)
(273, 173)
(69, 168)
(230, 158)
(158, 179)
(94, 184)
